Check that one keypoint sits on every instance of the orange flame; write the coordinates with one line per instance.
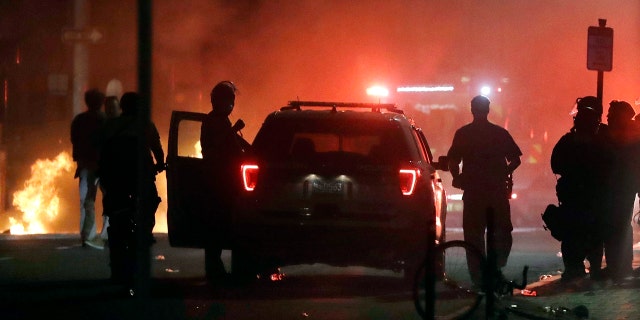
(198, 148)
(161, 185)
(38, 200)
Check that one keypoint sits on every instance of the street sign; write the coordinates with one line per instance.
(91, 35)
(600, 48)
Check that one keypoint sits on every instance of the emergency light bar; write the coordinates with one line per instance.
(376, 107)
(425, 89)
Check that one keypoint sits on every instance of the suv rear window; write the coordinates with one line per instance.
(378, 141)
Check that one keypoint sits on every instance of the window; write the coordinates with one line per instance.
(189, 139)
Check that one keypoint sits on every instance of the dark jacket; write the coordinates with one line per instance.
(84, 130)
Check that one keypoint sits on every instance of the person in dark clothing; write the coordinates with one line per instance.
(112, 110)
(84, 129)
(222, 147)
(582, 159)
(489, 155)
(129, 145)
(618, 241)
(111, 107)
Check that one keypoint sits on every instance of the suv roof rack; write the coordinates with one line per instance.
(375, 107)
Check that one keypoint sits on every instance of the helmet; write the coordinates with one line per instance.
(589, 103)
(223, 97)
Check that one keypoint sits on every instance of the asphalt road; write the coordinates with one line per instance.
(52, 276)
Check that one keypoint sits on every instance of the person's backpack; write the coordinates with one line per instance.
(556, 221)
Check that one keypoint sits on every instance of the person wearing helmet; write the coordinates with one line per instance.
(489, 155)
(582, 159)
(222, 146)
(618, 239)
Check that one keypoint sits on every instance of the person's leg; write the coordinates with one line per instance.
(626, 251)
(117, 249)
(213, 264)
(88, 192)
(594, 248)
(83, 189)
(572, 257)
(622, 245)
(619, 252)
(151, 202)
(104, 235)
(90, 204)
(473, 225)
(502, 237)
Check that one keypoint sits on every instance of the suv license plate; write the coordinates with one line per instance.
(328, 187)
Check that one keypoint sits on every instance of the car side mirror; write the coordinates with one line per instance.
(442, 163)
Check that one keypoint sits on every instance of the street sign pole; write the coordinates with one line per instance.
(601, 23)
(600, 85)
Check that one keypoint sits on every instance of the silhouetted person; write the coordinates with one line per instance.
(618, 241)
(127, 171)
(222, 148)
(582, 158)
(111, 110)
(489, 155)
(111, 107)
(84, 130)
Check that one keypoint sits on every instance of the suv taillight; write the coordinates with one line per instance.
(249, 176)
(408, 180)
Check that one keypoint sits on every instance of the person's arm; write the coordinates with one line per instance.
(513, 155)
(156, 147)
(455, 158)
(559, 156)
(454, 166)
(513, 164)
(74, 138)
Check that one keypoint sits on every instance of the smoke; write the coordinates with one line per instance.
(277, 51)
(333, 50)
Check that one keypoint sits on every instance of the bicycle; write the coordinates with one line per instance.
(457, 296)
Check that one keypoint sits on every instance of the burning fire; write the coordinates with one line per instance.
(39, 201)
(198, 148)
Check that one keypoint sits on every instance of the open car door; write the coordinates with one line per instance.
(187, 196)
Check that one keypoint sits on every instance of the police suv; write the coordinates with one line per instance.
(345, 184)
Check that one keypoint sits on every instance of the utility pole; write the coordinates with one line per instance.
(143, 252)
(80, 56)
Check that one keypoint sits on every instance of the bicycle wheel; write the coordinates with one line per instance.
(456, 296)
